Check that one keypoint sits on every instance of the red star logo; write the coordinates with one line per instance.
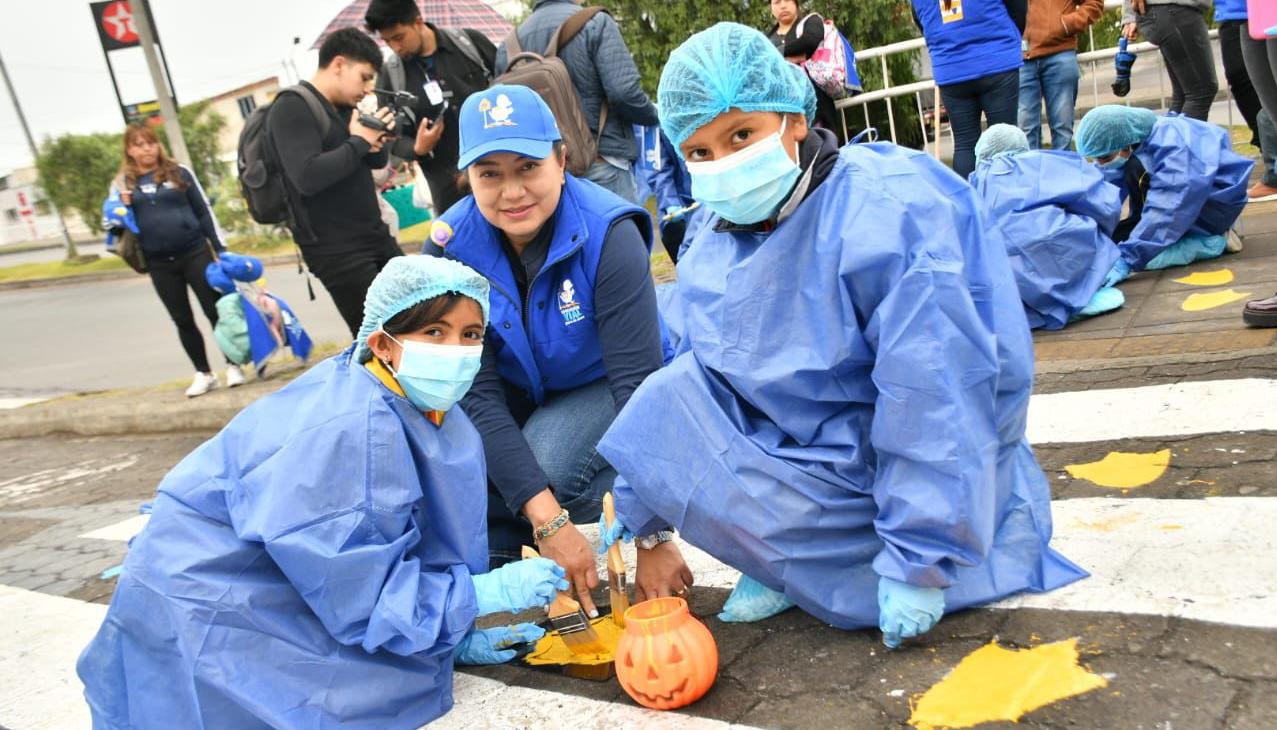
(117, 20)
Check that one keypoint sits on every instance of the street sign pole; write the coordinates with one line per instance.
(72, 254)
(168, 107)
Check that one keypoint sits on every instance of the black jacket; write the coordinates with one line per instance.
(329, 177)
(458, 78)
(172, 222)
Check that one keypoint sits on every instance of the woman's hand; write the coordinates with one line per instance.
(661, 571)
(126, 197)
(569, 548)
(1130, 31)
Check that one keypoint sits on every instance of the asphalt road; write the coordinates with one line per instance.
(115, 334)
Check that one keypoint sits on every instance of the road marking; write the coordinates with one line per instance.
(1213, 406)
(10, 403)
(1212, 559)
(29, 486)
(40, 639)
(121, 531)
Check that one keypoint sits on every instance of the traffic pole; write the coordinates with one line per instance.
(146, 36)
(72, 254)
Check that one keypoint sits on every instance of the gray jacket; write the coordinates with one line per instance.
(600, 66)
(1128, 11)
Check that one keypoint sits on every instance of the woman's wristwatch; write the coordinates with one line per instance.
(647, 542)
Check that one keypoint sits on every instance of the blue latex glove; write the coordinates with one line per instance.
(491, 646)
(752, 601)
(906, 611)
(518, 585)
(618, 532)
(1119, 273)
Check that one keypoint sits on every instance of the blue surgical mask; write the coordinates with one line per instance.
(748, 186)
(1116, 163)
(435, 377)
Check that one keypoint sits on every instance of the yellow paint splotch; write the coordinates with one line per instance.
(993, 683)
(551, 649)
(1123, 470)
(1200, 302)
(1206, 278)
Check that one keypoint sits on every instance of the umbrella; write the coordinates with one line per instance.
(473, 14)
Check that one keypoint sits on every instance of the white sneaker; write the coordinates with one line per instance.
(201, 384)
(234, 376)
(1234, 244)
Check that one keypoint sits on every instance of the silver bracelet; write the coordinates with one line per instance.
(647, 542)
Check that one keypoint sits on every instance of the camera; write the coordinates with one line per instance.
(401, 103)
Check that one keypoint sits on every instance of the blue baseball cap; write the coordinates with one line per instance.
(506, 118)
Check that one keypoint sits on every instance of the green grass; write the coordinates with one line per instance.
(61, 269)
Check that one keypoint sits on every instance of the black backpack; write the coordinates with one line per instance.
(261, 180)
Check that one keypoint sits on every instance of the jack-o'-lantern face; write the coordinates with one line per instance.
(666, 658)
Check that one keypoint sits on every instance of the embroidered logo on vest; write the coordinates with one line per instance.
(568, 306)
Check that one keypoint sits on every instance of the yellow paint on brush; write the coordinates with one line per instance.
(993, 683)
(1206, 278)
(551, 649)
(1123, 470)
(1200, 302)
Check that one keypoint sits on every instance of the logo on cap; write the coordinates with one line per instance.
(499, 115)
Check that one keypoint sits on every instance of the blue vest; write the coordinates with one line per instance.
(551, 341)
(1230, 10)
(974, 38)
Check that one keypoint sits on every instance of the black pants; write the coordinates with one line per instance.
(1261, 67)
(1180, 34)
(1230, 48)
(171, 275)
(996, 96)
(348, 274)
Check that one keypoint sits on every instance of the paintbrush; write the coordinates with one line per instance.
(615, 568)
(569, 620)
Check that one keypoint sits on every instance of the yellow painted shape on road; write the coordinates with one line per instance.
(993, 683)
(1200, 302)
(1207, 278)
(1123, 470)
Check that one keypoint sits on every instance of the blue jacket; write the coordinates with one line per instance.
(171, 222)
(1197, 186)
(309, 566)
(1055, 214)
(549, 343)
(601, 69)
(1230, 10)
(849, 401)
(977, 41)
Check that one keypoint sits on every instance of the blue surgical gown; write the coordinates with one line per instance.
(308, 566)
(849, 401)
(1197, 186)
(1055, 212)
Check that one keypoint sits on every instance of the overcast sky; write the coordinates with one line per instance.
(55, 60)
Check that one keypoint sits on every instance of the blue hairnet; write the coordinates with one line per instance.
(1000, 139)
(1111, 128)
(728, 66)
(409, 280)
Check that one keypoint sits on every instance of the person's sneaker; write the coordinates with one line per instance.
(1233, 242)
(234, 376)
(1260, 192)
(1261, 312)
(201, 384)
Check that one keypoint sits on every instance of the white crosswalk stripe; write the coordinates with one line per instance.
(1213, 559)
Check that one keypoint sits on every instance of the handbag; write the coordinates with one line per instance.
(120, 240)
(421, 197)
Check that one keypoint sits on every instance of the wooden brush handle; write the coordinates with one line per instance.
(530, 552)
(615, 562)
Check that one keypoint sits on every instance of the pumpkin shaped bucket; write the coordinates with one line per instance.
(666, 658)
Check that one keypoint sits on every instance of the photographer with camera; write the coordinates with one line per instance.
(327, 152)
(439, 68)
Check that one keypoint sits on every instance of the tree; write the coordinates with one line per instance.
(653, 30)
(76, 169)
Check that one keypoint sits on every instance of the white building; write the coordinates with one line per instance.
(25, 211)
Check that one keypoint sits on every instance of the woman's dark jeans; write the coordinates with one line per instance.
(1180, 34)
(996, 96)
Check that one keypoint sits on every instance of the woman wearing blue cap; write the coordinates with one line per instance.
(572, 333)
(844, 422)
(320, 562)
